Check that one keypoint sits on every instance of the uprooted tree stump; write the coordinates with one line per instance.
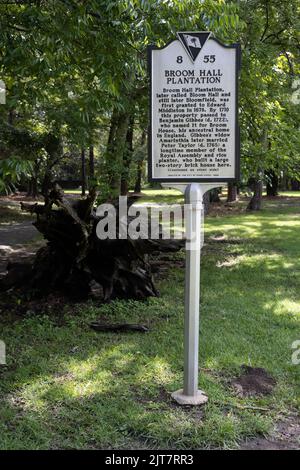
(74, 256)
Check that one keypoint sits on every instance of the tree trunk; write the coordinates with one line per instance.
(91, 162)
(138, 181)
(140, 164)
(255, 201)
(284, 182)
(115, 150)
(53, 147)
(256, 182)
(33, 182)
(83, 174)
(33, 187)
(232, 192)
(127, 157)
(295, 185)
(206, 202)
(92, 181)
(214, 195)
(272, 183)
(11, 116)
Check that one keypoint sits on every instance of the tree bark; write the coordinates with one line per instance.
(272, 183)
(206, 202)
(256, 183)
(92, 182)
(127, 157)
(295, 185)
(33, 190)
(255, 201)
(115, 150)
(83, 174)
(91, 162)
(232, 192)
(140, 164)
(53, 147)
(139, 174)
(214, 195)
(284, 182)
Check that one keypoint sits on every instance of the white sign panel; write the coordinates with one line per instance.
(194, 130)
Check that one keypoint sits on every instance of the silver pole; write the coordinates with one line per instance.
(193, 200)
(190, 395)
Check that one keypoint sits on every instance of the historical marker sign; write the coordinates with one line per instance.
(194, 135)
(193, 140)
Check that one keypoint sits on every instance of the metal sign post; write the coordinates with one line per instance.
(190, 395)
(194, 147)
(194, 232)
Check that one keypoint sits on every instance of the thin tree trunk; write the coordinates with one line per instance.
(284, 182)
(33, 188)
(127, 157)
(272, 183)
(140, 164)
(11, 116)
(33, 182)
(255, 201)
(29, 187)
(53, 147)
(232, 192)
(295, 185)
(92, 183)
(206, 202)
(124, 186)
(257, 185)
(83, 175)
(138, 181)
(91, 162)
(115, 150)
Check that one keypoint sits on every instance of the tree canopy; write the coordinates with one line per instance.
(77, 69)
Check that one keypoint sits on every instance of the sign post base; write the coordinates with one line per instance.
(198, 399)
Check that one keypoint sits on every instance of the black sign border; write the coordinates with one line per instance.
(236, 177)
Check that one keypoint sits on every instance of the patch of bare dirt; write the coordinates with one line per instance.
(14, 306)
(19, 196)
(286, 436)
(254, 381)
(217, 209)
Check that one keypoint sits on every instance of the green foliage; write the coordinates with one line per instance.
(69, 66)
(270, 63)
(11, 172)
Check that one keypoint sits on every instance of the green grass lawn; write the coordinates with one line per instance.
(72, 191)
(68, 387)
